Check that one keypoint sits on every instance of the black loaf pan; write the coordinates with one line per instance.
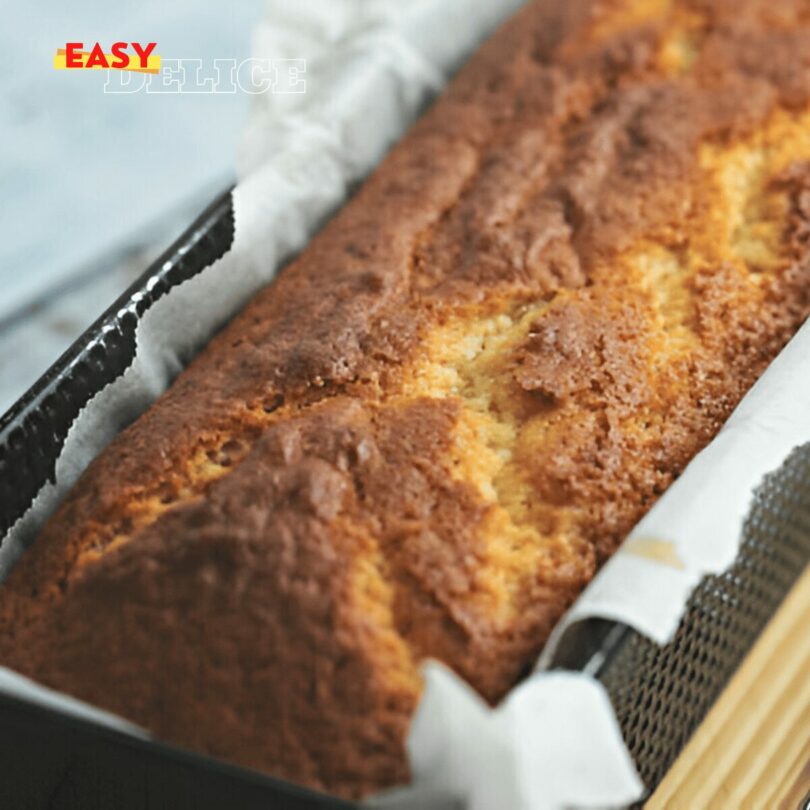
(661, 694)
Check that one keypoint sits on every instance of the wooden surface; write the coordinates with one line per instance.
(753, 749)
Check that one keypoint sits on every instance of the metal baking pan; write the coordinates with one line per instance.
(660, 694)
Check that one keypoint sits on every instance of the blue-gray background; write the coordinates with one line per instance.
(93, 185)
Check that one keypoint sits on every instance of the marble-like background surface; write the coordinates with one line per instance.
(94, 185)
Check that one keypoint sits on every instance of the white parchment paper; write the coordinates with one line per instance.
(370, 67)
(695, 529)
(553, 743)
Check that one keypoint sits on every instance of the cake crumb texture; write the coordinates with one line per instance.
(424, 438)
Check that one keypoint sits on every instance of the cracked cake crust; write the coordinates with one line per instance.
(426, 435)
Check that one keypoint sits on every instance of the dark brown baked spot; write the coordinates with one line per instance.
(427, 434)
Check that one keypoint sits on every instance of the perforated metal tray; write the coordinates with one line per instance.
(660, 694)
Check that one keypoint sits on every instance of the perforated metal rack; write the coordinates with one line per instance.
(660, 694)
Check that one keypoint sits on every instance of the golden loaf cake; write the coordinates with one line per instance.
(423, 439)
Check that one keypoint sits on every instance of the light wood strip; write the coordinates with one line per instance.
(762, 756)
(800, 789)
(799, 764)
(753, 748)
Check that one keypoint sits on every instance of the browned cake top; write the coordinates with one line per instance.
(426, 435)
